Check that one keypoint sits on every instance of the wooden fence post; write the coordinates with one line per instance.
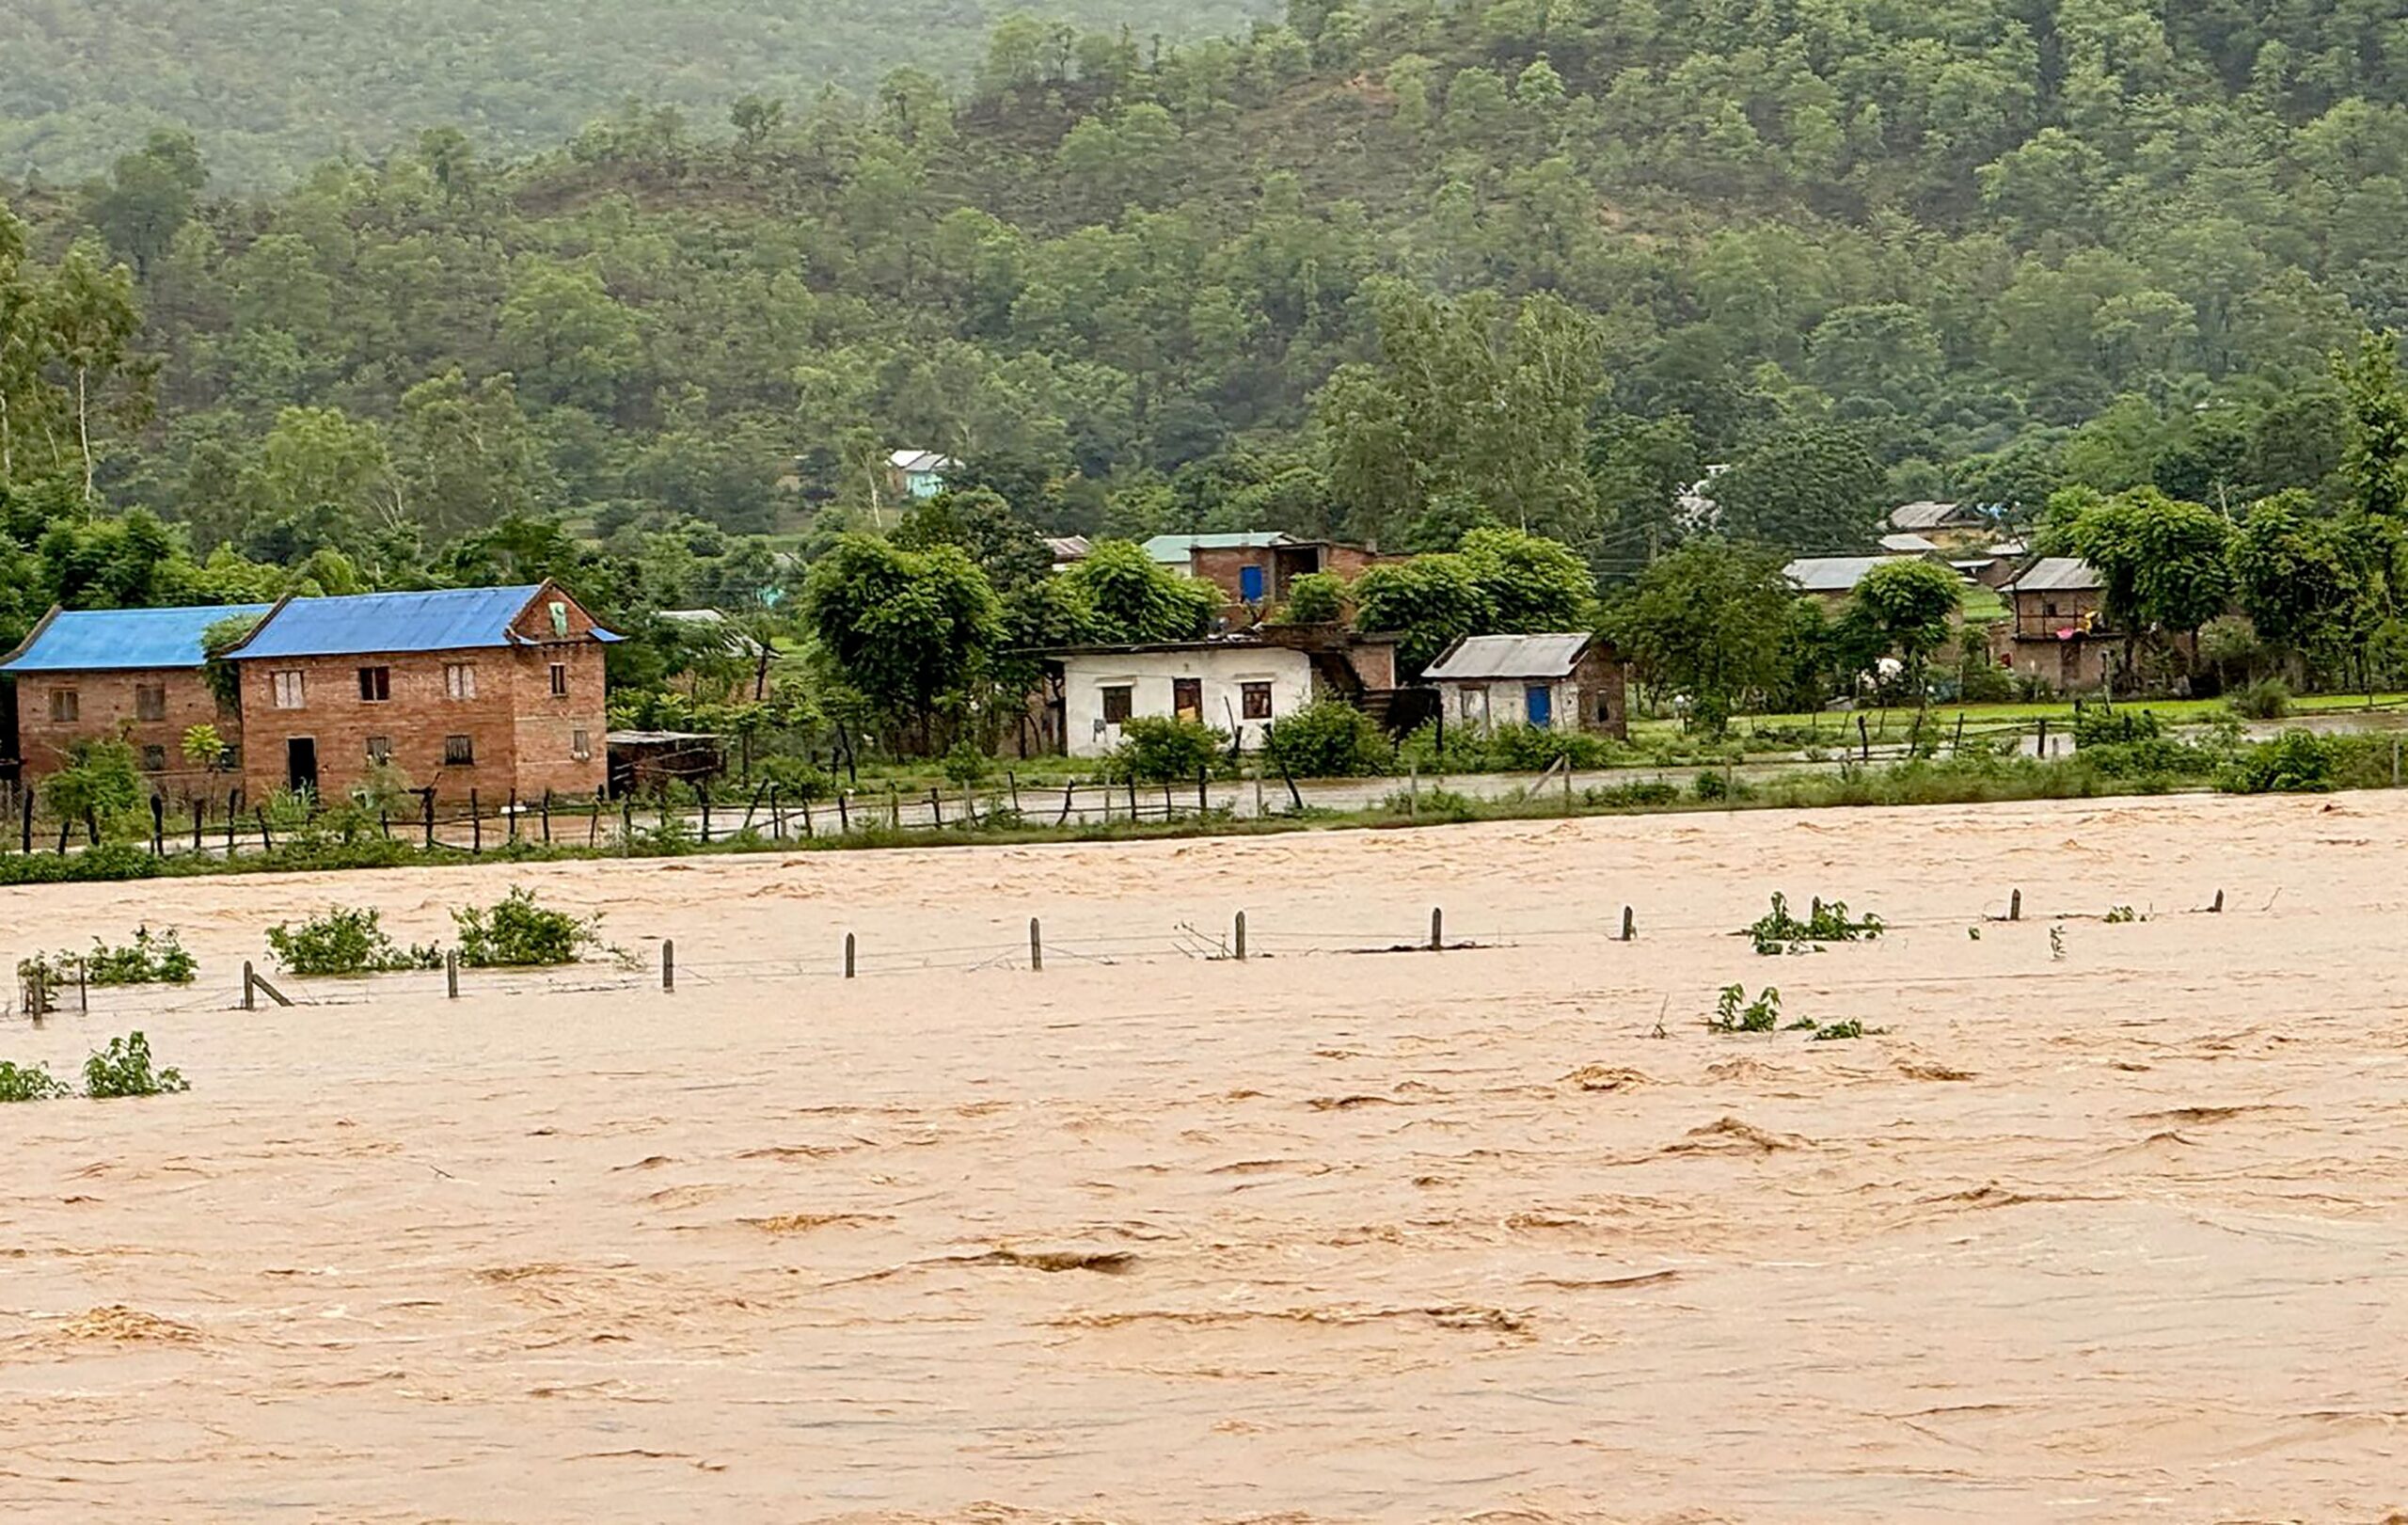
(476, 824)
(267, 842)
(1629, 925)
(1012, 779)
(547, 817)
(451, 975)
(1438, 929)
(704, 790)
(936, 810)
(83, 986)
(2015, 905)
(198, 811)
(27, 803)
(1863, 739)
(1240, 937)
(250, 993)
(1036, 949)
(512, 813)
(427, 797)
(844, 813)
(849, 955)
(158, 825)
(669, 964)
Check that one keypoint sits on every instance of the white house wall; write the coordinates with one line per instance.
(1149, 676)
(1505, 701)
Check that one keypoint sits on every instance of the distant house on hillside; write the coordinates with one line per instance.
(919, 473)
(1255, 569)
(122, 674)
(1563, 682)
(1068, 550)
(1831, 578)
(1952, 526)
(495, 690)
(2056, 629)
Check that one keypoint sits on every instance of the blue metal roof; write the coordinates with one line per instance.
(122, 640)
(443, 619)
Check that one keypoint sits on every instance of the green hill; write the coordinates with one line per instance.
(1381, 272)
(271, 86)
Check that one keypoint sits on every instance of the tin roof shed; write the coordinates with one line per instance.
(1479, 658)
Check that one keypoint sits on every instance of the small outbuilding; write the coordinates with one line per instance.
(1570, 682)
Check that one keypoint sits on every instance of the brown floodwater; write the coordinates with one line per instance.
(2113, 1229)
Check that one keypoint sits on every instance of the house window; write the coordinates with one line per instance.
(287, 689)
(581, 745)
(1254, 700)
(380, 749)
(560, 678)
(2049, 610)
(150, 702)
(1474, 701)
(375, 684)
(459, 752)
(64, 705)
(1116, 704)
(460, 680)
(154, 759)
(1187, 698)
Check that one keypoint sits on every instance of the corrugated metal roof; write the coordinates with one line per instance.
(2058, 574)
(1906, 545)
(123, 639)
(442, 619)
(920, 460)
(1508, 655)
(1174, 550)
(1931, 516)
(1831, 574)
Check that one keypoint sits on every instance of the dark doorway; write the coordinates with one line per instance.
(301, 764)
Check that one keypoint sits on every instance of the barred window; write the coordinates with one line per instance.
(459, 751)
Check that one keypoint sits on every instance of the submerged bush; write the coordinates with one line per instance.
(123, 1069)
(2097, 725)
(29, 1083)
(2295, 762)
(344, 940)
(150, 958)
(516, 931)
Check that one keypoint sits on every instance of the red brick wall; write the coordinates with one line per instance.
(1601, 672)
(519, 733)
(106, 708)
(1221, 568)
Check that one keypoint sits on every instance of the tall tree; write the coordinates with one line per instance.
(1706, 620)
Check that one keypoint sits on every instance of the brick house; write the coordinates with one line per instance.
(1561, 682)
(496, 690)
(132, 675)
(1255, 570)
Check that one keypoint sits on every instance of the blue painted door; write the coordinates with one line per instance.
(1538, 705)
(1250, 584)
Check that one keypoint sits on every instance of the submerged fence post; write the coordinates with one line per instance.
(669, 963)
(2015, 905)
(849, 955)
(83, 986)
(1438, 929)
(1629, 925)
(451, 975)
(1036, 949)
(250, 993)
(476, 824)
(1240, 937)
(427, 795)
(2217, 909)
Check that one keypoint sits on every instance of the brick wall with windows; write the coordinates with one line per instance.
(149, 710)
(485, 720)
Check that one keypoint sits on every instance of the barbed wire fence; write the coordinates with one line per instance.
(64, 992)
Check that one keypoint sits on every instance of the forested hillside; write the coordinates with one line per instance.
(271, 87)
(1384, 272)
